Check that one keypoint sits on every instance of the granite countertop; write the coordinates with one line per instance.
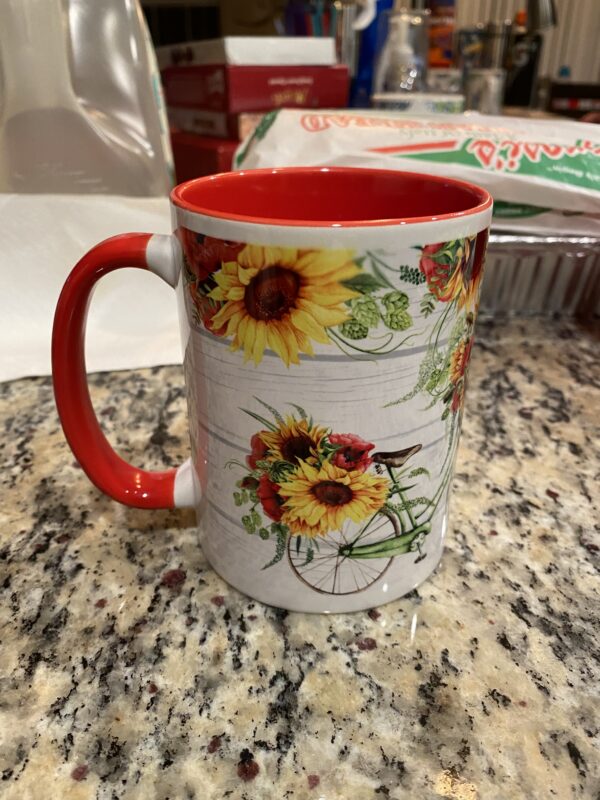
(128, 669)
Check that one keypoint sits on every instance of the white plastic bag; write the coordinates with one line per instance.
(546, 164)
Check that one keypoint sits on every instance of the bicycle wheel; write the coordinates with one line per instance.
(328, 571)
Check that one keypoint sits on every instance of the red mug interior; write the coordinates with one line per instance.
(330, 196)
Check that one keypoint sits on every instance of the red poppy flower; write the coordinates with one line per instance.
(204, 255)
(270, 500)
(207, 309)
(259, 451)
(353, 452)
(432, 248)
(427, 265)
(444, 281)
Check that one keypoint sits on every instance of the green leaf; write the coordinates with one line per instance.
(398, 489)
(300, 410)
(279, 470)
(237, 498)
(263, 533)
(459, 330)
(260, 419)
(417, 501)
(411, 275)
(282, 536)
(380, 276)
(279, 527)
(273, 411)
(328, 448)
(418, 471)
(233, 462)
(428, 366)
(310, 554)
(444, 258)
(248, 524)
(365, 283)
(427, 304)
(258, 133)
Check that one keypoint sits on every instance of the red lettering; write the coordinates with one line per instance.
(484, 151)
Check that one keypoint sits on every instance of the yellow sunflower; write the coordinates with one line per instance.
(472, 270)
(281, 298)
(293, 441)
(319, 500)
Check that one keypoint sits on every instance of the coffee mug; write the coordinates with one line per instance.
(327, 321)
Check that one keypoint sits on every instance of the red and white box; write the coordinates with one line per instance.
(195, 156)
(214, 123)
(235, 89)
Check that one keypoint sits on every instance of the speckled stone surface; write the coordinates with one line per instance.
(128, 669)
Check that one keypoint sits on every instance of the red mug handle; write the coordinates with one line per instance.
(107, 470)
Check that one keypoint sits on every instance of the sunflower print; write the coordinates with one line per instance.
(320, 499)
(319, 493)
(472, 270)
(293, 441)
(282, 298)
(459, 360)
(453, 270)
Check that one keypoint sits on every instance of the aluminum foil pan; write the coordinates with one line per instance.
(542, 275)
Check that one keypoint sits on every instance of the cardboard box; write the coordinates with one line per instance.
(196, 156)
(255, 51)
(236, 89)
(214, 123)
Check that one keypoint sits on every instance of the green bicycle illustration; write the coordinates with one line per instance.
(341, 510)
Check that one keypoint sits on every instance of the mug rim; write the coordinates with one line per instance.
(178, 198)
